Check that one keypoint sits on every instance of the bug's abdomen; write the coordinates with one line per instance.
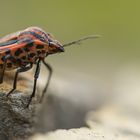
(22, 56)
(13, 58)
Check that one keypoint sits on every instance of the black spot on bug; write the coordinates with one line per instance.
(28, 57)
(7, 52)
(18, 61)
(43, 51)
(3, 58)
(18, 52)
(39, 46)
(1, 66)
(9, 65)
(26, 49)
(12, 59)
(29, 44)
(32, 55)
(38, 52)
(23, 57)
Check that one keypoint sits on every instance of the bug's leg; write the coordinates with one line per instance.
(1, 76)
(3, 69)
(48, 81)
(36, 75)
(19, 70)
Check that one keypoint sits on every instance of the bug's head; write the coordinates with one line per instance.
(54, 45)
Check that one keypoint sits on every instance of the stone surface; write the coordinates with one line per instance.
(65, 108)
(108, 123)
(16, 121)
(69, 99)
(72, 134)
(115, 120)
(84, 134)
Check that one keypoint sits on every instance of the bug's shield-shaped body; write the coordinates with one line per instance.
(24, 47)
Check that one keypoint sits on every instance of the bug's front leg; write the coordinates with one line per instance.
(49, 78)
(19, 70)
(36, 75)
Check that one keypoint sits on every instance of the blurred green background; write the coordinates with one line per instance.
(117, 21)
(95, 71)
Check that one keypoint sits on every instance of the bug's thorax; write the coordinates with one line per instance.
(43, 43)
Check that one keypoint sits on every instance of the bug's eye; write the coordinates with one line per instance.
(51, 44)
(56, 46)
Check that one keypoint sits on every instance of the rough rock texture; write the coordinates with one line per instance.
(16, 121)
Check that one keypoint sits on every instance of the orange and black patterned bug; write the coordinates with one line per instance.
(24, 48)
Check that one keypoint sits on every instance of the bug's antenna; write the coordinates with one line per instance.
(81, 39)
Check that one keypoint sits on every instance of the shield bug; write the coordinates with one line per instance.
(23, 49)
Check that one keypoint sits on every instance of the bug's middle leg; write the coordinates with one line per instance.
(2, 71)
(19, 70)
(36, 75)
(48, 80)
